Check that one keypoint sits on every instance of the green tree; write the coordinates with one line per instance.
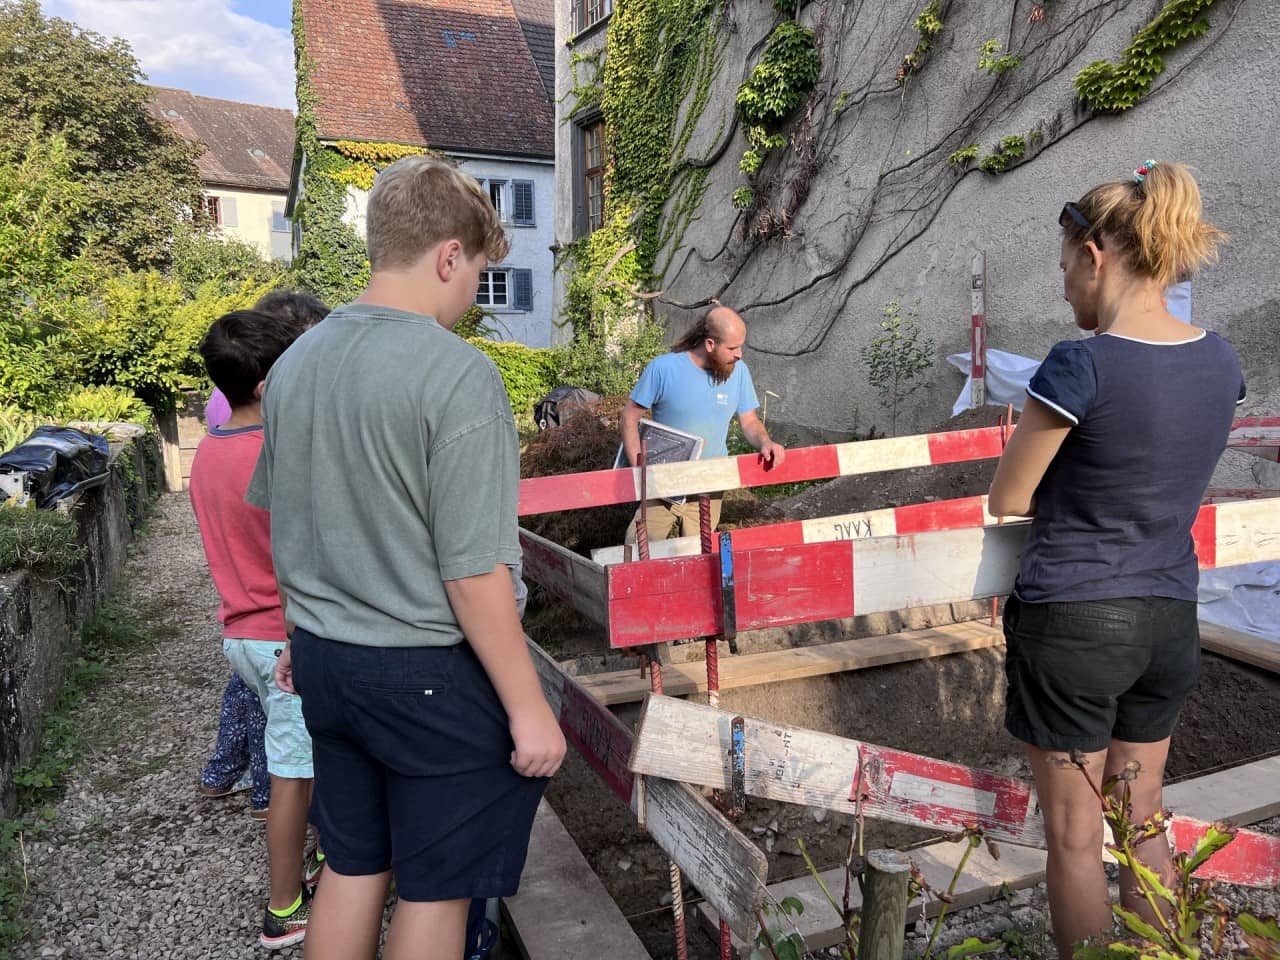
(139, 177)
(200, 256)
(898, 359)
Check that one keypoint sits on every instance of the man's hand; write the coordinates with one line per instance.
(284, 670)
(773, 454)
(540, 744)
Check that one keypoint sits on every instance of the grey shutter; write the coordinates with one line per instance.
(522, 203)
(522, 280)
(229, 218)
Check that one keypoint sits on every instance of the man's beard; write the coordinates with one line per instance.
(720, 372)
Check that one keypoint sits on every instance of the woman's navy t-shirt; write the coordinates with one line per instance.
(1115, 508)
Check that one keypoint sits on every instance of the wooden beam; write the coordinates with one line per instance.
(652, 601)
(726, 867)
(567, 575)
(1259, 436)
(689, 742)
(563, 911)
(1256, 651)
(1242, 795)
(795, 663)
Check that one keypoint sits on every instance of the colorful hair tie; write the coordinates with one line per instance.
(1140, 174)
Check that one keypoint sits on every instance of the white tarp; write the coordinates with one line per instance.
(1244, 598)
(1007, 377)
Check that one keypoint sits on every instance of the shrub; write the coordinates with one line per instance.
(783, 77)
(528, 373)
(43, 540)
(105, 404)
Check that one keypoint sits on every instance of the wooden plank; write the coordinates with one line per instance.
(598, 488)
(1259, 436)
(652, 601)
(795, 663)
(566, 574)
(689, 742)
(1242, 795)
(1256, 651)
(726, 867)
(563, 911)
(981, 882)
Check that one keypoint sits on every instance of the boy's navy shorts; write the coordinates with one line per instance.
(1085, 672)
(413, 768)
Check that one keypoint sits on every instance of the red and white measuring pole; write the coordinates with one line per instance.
(978, 330)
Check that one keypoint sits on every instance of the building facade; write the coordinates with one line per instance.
(469, 79)
(248, 151)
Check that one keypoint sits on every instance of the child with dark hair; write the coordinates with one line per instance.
(239, 759)
(238, 351)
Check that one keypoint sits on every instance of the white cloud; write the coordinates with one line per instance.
(199, 45)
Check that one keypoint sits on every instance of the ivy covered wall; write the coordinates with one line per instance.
(813, 164)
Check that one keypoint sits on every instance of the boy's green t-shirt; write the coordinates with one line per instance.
(390, 464)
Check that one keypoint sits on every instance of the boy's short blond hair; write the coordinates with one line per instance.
(418, 202)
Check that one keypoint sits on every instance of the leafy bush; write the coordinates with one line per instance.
(611, 367)
(16, 425)
(527, 373)
(104, 404)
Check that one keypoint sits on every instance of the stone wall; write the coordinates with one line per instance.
(40, 620)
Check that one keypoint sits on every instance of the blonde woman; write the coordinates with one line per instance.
(1111, 458)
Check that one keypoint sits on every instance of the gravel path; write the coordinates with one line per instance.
(136, 865)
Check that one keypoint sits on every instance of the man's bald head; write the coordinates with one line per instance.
(715, 342)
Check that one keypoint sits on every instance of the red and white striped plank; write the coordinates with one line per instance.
(574, 491)
(652, 601)
(888, 522)
(685, 741)
(726, 867)
(1259, 436)
(1228, 494)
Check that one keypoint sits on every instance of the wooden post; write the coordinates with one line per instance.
(171, 450)
(884, 910)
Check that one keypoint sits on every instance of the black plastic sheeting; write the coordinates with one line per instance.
(556, 407)
(59, 461)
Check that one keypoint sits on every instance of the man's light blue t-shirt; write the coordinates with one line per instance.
(683, 395)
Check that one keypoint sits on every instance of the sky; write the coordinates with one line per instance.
(234, 49)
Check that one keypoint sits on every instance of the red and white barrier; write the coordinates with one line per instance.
(653, 601)
(689, 742)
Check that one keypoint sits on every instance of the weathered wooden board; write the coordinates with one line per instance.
(689, 742)
(652, 601)
(1259, 436)
(726, 867)
(568, 575)
(795, 663)
(1257, 651)
(563, 911)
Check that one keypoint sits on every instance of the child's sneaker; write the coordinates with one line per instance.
(279, 932)
(312, 865)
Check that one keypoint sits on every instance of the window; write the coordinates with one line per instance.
(510, 289)
(278, 222)
(213, 207)
(492, 291)
(593, 174)
(522, 203)
(498, 197)
(587, 13)
(221, 210)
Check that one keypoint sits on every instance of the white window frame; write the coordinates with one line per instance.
(486, 290)
(587, 13)
(505, 199)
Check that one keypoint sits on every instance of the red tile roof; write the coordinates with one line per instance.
(450, 74)
(246, 145)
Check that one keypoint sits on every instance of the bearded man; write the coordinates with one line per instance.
(698, 387)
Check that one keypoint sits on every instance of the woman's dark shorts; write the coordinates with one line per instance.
(1086, 672)
(413, 768)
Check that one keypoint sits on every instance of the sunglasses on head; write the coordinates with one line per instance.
(1071, 213)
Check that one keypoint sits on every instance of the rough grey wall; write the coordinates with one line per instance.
(886, 217)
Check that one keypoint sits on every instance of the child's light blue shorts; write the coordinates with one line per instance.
(288, 743)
